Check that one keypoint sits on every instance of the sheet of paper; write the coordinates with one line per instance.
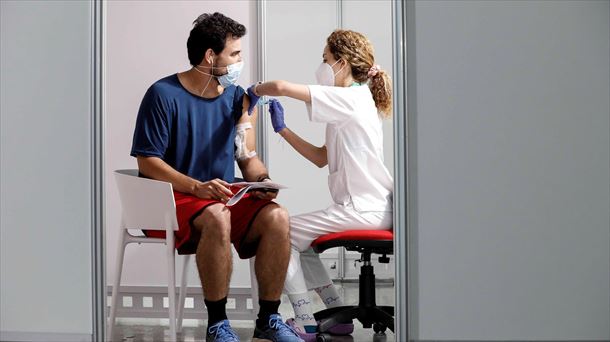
(258, 185)
(246, 186)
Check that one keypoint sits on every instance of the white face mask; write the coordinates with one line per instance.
(325, 75)
(230, 78)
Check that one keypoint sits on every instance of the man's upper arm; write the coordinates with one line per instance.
(245, 118)
(252, 168)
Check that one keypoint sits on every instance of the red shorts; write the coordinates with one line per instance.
(188, 207)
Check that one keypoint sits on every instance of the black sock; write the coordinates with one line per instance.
(216, 310)
(268, 308)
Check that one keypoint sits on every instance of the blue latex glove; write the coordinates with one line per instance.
(253, 98)
(277, 115)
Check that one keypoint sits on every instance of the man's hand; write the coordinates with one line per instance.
(277, 115)
(253, 98)
(216, 189)
(266, 195)
(262, 193)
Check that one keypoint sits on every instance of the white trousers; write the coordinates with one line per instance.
(305, 269)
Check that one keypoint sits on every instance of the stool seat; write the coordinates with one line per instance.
(375, 241)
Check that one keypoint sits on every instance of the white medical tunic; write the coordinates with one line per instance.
(354, 143)
(359, 182)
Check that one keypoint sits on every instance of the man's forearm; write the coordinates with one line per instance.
(253, 170)
(156, 168)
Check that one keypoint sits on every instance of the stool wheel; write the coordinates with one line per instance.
(380, 337)
(323, 337)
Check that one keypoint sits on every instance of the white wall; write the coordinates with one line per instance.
(511, 124)
(145, 41)
(45, 230)
(294, 49)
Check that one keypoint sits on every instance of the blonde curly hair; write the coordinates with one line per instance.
(357, 50)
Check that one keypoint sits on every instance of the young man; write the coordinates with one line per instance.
(191, 126)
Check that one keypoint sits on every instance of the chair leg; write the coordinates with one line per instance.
(388, 309)
(254, 286)
(171, 288)
(380, 314)
(120, 255)
(182, 297)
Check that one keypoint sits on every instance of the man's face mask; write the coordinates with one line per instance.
(233, 72)
(325, 75)
(228, 79)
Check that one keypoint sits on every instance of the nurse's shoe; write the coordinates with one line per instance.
(341, 329)
(305, 336)
(221, 332)
(276, 331)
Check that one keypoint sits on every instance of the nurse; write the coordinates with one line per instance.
(353, 95)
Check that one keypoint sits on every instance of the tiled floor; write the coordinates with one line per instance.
(132, 330)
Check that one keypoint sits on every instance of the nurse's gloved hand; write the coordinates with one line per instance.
(253, 98)
(277, 115)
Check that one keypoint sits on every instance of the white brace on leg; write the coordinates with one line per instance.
(241, 151)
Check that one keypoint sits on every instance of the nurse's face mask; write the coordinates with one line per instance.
(325, 74)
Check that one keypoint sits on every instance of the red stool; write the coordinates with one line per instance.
(367, 311)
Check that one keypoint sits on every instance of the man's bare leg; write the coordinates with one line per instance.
(271, 229)
(214, 259)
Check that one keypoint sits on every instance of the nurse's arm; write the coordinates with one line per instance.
(283, 88)
(314, 154)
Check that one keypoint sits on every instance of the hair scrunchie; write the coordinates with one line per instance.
(373, 71)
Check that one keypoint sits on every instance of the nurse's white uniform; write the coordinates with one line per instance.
(359, 183)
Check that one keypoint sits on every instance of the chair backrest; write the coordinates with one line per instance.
(146, 203)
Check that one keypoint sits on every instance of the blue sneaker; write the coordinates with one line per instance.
(221, 332)
(277, 331)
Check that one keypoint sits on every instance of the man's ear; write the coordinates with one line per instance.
(208, 57)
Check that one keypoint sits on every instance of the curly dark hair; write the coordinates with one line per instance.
(210, 31)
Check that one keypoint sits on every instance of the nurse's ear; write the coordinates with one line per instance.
(345, 68)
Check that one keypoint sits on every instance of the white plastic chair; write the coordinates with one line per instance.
(149, 204)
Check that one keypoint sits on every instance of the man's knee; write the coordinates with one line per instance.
(215, 220)
(276, 218)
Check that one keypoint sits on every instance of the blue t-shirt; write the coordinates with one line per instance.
(194, 135)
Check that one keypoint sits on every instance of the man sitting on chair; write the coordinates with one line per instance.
(190, 128)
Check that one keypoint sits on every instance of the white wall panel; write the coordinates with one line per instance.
(45, 212)
(512, 163)
(296, 36)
